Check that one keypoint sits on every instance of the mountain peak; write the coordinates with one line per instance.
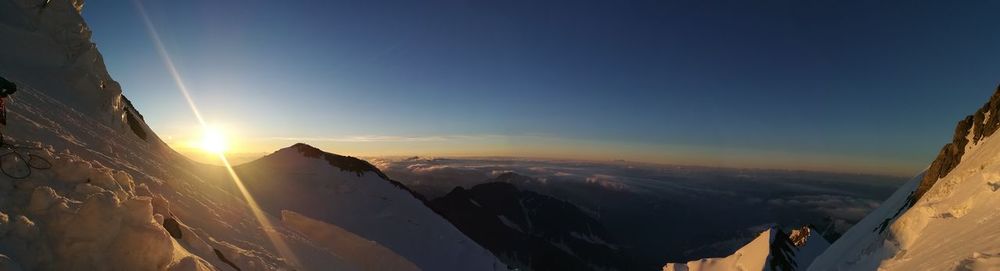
(345, 163)
(342, 162)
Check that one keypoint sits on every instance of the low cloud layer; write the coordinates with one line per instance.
(680, 208)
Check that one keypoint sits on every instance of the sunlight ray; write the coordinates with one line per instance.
(266, 226)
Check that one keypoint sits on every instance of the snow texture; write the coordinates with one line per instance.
(113, 196)
(955, 225)
(762, 253)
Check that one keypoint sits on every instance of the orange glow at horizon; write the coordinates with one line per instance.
(214, 142)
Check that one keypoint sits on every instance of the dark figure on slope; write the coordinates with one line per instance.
(6, 89)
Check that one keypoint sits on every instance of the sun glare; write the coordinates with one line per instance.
(213, 141)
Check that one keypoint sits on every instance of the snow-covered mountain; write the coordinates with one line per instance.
(530, 230)
(947, 218)
(88, 186)
(773, 249)
(354, 195)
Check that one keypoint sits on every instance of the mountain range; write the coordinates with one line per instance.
(88, 185)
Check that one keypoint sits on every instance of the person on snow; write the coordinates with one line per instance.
(6, 89)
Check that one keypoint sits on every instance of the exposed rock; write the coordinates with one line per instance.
(352, 164)
(174, 228)
(345, 163)
(783, 252)
(981, 124)
(223, 259)
(133, 123)
(799, 236)
(133, 118)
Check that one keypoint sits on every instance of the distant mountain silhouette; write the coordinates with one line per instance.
(530, 230)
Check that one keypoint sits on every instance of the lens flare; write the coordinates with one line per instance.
(217, 144)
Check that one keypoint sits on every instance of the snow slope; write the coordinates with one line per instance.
(371, 255)
(117, 198)
(953, 225)
(357, 197)
(773, 249)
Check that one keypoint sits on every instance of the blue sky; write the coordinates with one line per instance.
(847, 86)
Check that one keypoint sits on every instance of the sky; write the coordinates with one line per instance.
(868, 87)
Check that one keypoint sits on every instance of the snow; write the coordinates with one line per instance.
(752, 256)
(109, 197)
(367, 254)
(509, 224)
(805, 244)
(366, 205)
(814, 245)
(106, 227)
(954, 226)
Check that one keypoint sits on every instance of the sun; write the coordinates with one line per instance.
(214, 141)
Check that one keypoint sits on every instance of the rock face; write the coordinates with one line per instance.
(944, 219)
(133, 119)
(529, 230)
(973, 128)
(345, 163)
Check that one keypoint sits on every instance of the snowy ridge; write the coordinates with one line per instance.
(112, 196)
(360, 199)
(969, 132)
(773, 249)
(945, 219)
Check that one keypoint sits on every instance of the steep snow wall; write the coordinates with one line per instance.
(47, 44)
(981, 124)
(945, 219)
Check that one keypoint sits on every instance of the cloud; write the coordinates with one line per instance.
(449, 172)
(385, 138)
(836, 206)
(496, 172)
(608, 181)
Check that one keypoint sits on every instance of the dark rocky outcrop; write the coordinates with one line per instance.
(782, 252)
(133, 121)
(529, 230)
(982, 124)
(137, 128)
(172, 227)
(224, 260)
(344, 163)
(128, 104)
